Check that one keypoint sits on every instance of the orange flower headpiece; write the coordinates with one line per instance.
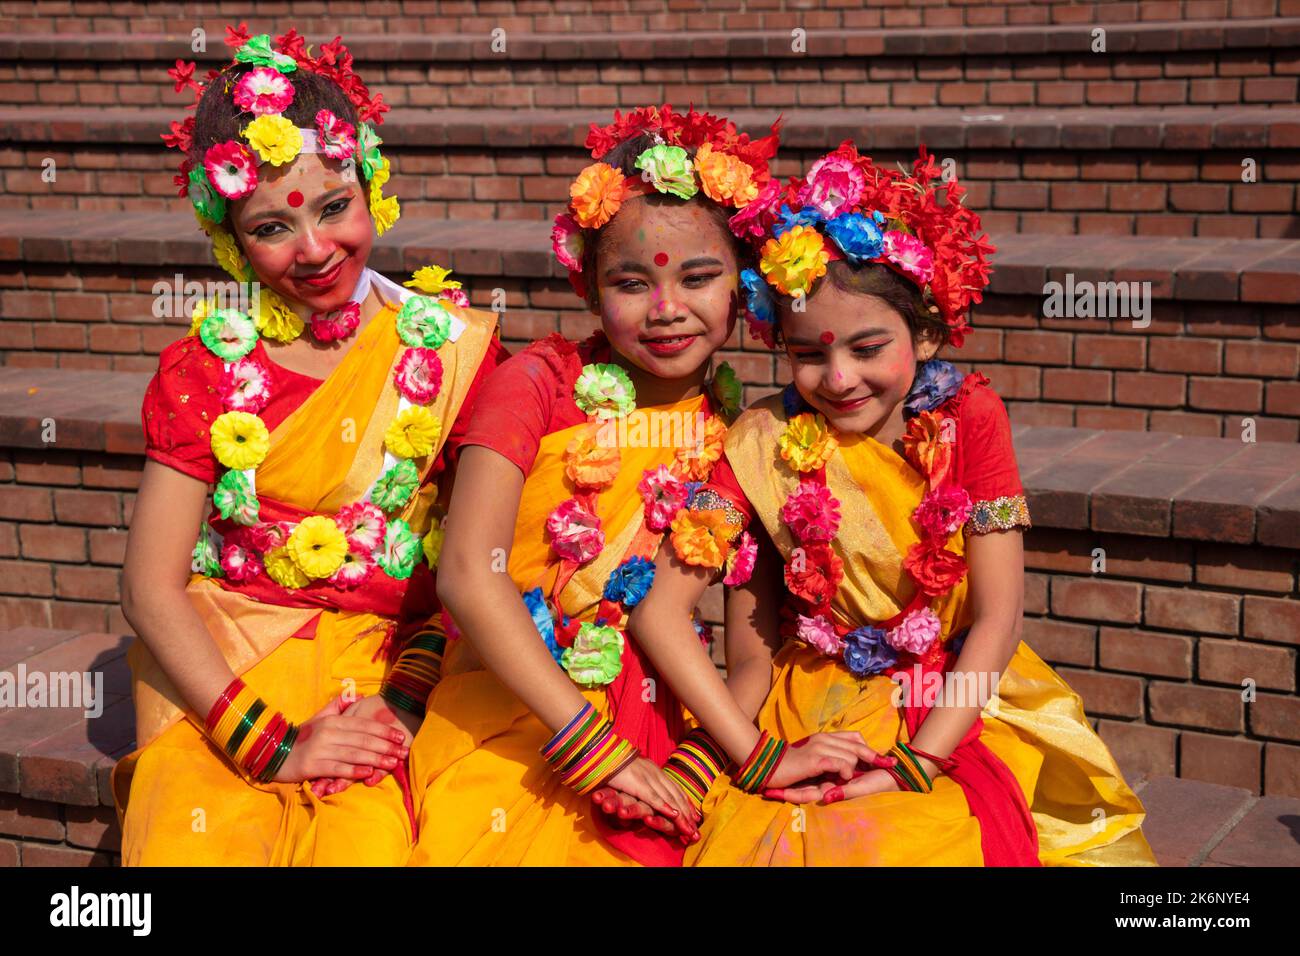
(257, 78)
(846, 207)
(693, 152)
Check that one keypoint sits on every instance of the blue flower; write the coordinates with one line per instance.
(807, 216)
(691, 488)
(867, 652)
(857, 236)
(791, 401)
(542, 620)
(935, 383)
(758, 296)
(629, 582)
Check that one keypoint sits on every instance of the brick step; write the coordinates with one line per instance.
(1168, 171)
(1221, 347)
(1254, 61)
(614, 15)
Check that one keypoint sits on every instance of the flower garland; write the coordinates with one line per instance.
(591, 651)
(848, 208)
(344, 549)
(693, 153)
(228, 171)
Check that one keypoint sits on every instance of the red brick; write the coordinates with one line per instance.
(1106, 418)
(26, 504)
(1275, 715)
(1111, 695)
(1271, 619)
(1140, 750)
(1078, 196)
(29, 818)
(94, 828)
(1281, 770)
(1226, 394)
(108, 547)
(1116, 601)
(1183, 609)
(1282, 398)
(1264, 359)
(26, 578)
(1135, 197)
(1150, 390)
(1229, 761)
(98, 508)
(1059, 642)
(1109, 351)
(36, 854)
(1244, 568)
(1076, 385)
(1037, 348)
(1185, 355)
(1035, 593)
(47, 542)
(1145, 652)
(1198, 197)
(1190, 705)
(1232, 662)
(87, 584)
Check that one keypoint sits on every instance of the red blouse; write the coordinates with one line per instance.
(183, 399)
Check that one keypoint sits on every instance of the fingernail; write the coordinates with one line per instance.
(833, 795)
(773, 794)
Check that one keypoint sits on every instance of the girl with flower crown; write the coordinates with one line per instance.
(322, 410)
(563, 496)
(885, 566)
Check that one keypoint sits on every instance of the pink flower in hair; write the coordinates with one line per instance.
(575, 532)
(910, 254)
(263, 91)
(566, 241)
(245, 386)
(231, 169)
(419, 375)
(455, 297)
(664, 495)
(750, 221)
(833, 185)
(362, 524)
(339, 324)
(336, 138)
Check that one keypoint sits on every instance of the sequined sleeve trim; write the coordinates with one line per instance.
(706, 500)
(999, 514)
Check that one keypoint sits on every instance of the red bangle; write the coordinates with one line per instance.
(222, 702)
(943, 763)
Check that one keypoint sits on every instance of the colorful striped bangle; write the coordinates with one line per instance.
(910, 769)
(256, 738)
(417, 671)
(760, 764)
(695, 764)
(586, 752)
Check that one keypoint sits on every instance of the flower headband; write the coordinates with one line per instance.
(726, 166)
(848, 208)
(228, 170)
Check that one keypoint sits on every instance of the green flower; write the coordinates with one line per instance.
(208, 203)
(206, 558)
(423, 323)
(258, 52)
(596, 656)
(394, 487)
(401, 549)
(726, 389)
(669, 170)
(368, 143)
(604, 390)
(228, 334)
(234, 498)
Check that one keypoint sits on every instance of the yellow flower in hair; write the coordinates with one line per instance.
(725, 178)
(794, 261)
(317, 546)
(431, 280)
(597, 194)
(274, 319)
(226, 251)
(413, 432)
(275, 139)
(807, 442)
(380, 178)
(281, 569)
(240, 440)
(384, 211)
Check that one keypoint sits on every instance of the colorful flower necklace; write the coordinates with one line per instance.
(812, 513)
(344, 549)
(591, 651)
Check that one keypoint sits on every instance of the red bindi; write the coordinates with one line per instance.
(661, 259)
(295, 199)
(828, 338)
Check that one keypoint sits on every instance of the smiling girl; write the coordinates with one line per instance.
(886, 596)
(321, 404)
(567, 485)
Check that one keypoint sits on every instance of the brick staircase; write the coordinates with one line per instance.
(1123, 166)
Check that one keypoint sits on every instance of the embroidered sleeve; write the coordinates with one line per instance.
(999, 514)
(705, 532)
(180, 404)
(987, 465)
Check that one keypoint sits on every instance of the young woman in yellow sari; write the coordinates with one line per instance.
(580, 456)
(258, 677)
(885, 483)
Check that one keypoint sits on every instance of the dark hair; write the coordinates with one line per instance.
(876, 278)
(623, 158)
(217, 119)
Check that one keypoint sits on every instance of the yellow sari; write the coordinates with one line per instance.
(1084, 812)
(484, 794)
(180, 801)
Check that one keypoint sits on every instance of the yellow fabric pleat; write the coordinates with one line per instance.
(1084, 811)
(485, 794)
(318, 461)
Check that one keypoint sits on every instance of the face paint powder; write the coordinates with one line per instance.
(828, 338)
(295, 199)
(661, 259)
